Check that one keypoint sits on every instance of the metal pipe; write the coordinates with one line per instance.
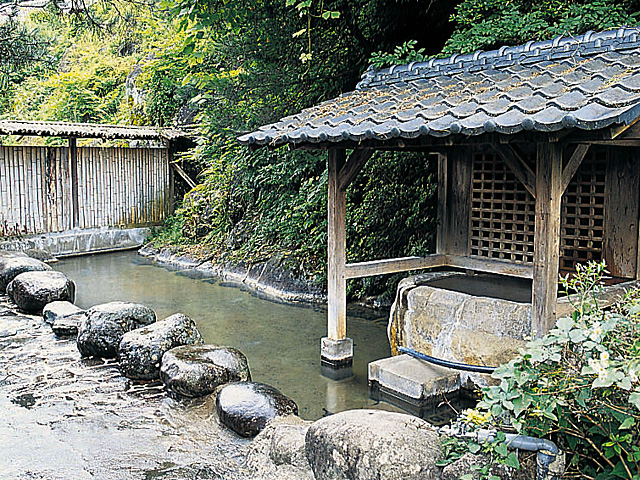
(550, 459)
(446, 363)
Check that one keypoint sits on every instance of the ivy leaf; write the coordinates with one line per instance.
(335, 15)
(634, 399)
(628, 423)
(512, 461)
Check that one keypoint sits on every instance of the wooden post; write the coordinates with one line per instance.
(73, 159)
(546, 257)
(336, 349)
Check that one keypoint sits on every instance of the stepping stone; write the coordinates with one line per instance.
(101, 332)
(197, 370)
(68, 326)
(13, 264)
(140, 351)
(55, 310)
(32, 291)
(247, 407)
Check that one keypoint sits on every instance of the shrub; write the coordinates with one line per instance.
(579, 385)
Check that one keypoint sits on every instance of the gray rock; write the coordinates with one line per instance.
(68, 326)
(247, 407)
(41, 254)
(141, 350)
(372, 444)
(55, 310)
(101, 331)
(279, 450)
(197, 370)
(32, 291)
(13, 264)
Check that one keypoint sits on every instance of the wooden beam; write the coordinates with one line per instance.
(394, 265)
(518, 166)
(546, 255)
(626, 130)
(355, 163)
(73, 162)
(183, 175)
(573, 164)
(336, 249)
(443, 182)
(485, 265)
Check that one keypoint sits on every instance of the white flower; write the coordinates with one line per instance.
(598, 367)
(596, 331)
(604, 357)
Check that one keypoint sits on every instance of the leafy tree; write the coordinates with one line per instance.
(489, 24)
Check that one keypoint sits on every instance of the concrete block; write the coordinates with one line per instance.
(412, 380)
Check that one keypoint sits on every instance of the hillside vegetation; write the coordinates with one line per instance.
(229, 66)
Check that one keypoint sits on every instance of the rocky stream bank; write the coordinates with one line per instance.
(74, 416)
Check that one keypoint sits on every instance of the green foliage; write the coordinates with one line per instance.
(489, 24)
(579, 384)
(402, 54)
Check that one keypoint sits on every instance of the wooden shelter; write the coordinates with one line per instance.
(538, 160)
(45, 189)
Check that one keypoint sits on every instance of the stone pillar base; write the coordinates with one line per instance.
(336, 353)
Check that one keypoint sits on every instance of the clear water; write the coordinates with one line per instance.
(282, 342)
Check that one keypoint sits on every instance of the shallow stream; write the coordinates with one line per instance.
(281, 341)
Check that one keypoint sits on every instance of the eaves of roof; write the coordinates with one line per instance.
(587, 82)
(88, 130)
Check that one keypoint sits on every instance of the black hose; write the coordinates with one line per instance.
(446, 363)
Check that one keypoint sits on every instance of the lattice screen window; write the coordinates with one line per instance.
(502, 212)
(582, 228)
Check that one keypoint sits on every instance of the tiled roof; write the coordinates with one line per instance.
(88, 130)
(587, 82)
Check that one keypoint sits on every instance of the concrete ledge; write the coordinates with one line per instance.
(80, 242)
(411, 383)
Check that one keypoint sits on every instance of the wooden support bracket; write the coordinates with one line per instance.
(518, 166)
(573, 164)
(352, 167)
(183, 175)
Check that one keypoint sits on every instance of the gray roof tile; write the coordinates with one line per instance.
(587, 82)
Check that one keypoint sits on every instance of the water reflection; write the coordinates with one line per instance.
(282, 342)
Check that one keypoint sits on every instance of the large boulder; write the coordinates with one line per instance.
(247, 407)
(366, 444)
(13, 264)
(279, 451)
(59, 309)
(32, 291)
(140, 351)
(197, 370)
(101, 331)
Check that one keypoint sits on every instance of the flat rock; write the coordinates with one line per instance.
(33, 290)
(68, 326)
(140, 351)
(247, 407)
(101, 331)
(13, 264)
(278, 451)
(55, 310)
(197, 370)
(368, 444)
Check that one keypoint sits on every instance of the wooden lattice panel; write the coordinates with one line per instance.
(582, 228)
(502, 213)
